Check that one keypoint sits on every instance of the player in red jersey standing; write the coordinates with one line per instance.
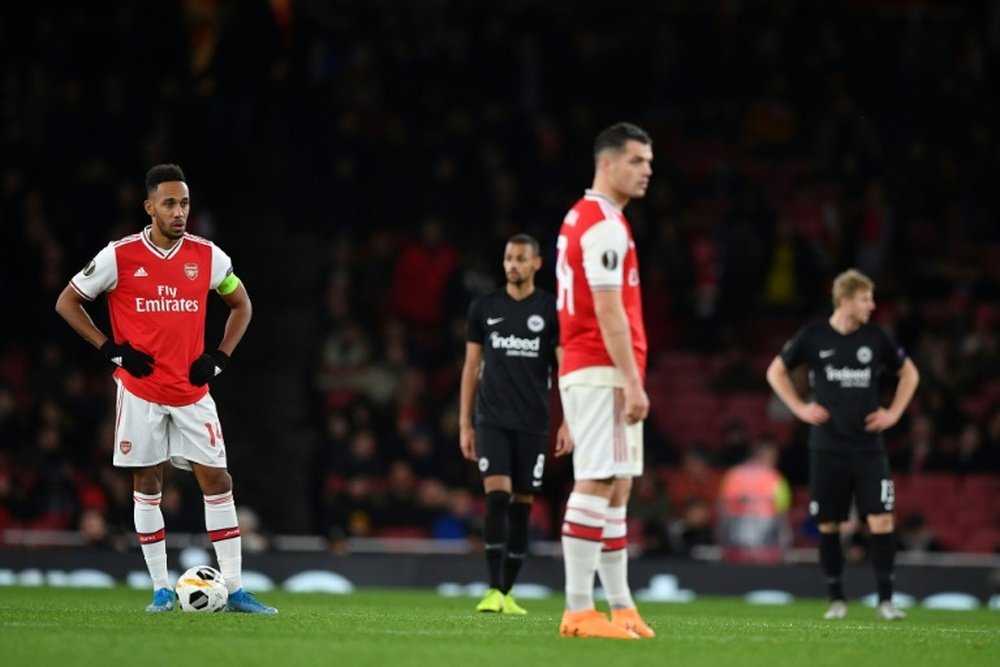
(601, 382)
(157, 283)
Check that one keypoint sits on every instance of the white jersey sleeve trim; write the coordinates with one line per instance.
(604, 246)
(222, 266)
(100, 274)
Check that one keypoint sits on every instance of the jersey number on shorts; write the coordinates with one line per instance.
(888, 495)
(539, 467)
(214, 433)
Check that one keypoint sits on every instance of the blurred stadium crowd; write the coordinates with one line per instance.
(364, 162)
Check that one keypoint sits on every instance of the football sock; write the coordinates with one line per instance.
(495, 533)
(883, 557)
(518, 516)
(224, 532)
(152, 536)
(831, 559)
(613, 564)
(582, 527)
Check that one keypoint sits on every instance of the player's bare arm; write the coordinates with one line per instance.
(885, 418)
(467, 399)
(617, 337)
(211, 363)
(69, 305)
(564, 441)
(240, 312)
(781, 383)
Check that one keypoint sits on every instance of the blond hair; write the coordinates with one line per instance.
(849, 283)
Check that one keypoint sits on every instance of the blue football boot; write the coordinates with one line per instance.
(246, 603)
(163, 600)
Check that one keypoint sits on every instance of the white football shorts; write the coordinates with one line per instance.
(147, 434)
(604, 446)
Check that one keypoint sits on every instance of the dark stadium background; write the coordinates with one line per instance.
(363, 163)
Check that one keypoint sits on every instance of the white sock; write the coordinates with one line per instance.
(224, 531)
(581, 543)
(152, 537)
(613, 563)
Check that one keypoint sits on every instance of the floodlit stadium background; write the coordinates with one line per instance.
(363, 164)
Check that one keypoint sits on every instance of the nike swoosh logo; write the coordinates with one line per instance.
(493, 320)
(823, 354)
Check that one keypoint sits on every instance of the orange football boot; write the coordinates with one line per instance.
(591, 623)
(629, 619)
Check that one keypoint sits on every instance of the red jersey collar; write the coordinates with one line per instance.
(155, 249)
(594, 193)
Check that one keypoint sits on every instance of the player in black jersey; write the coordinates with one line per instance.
(511, 353)
(845, 356)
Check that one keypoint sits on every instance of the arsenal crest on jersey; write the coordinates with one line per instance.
(125, 446)
(191, 271)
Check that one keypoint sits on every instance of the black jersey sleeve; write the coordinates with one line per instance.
(893, 355)
(474, 322)
(793, 353)
(553, 327)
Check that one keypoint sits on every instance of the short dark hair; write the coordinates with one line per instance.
(163, 173)
(526, 239)
(615, 137)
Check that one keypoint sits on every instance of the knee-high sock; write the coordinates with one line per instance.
(613, 564)
(831, 559)
(495, 534)
(519, 518)
(224, 531)
(582, 527)
(883, 557)
(152, 537)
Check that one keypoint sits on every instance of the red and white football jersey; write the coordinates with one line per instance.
(157, 300)
(596, 252)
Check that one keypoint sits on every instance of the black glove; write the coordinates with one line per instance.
(135, 362)
(207, 366)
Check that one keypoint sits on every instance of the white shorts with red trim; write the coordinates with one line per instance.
(147, 434)
(604, 446)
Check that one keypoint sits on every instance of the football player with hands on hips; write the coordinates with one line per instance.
(511, 353)
(601, 383)
(846, 356)
(157, 283)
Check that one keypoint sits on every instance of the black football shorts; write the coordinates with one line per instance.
(520, 456)
(837, 478)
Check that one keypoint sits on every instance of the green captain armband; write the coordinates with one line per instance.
(228, 285)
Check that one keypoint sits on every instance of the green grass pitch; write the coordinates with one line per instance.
(107, 627)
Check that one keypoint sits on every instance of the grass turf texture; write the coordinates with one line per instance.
(107, 627)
